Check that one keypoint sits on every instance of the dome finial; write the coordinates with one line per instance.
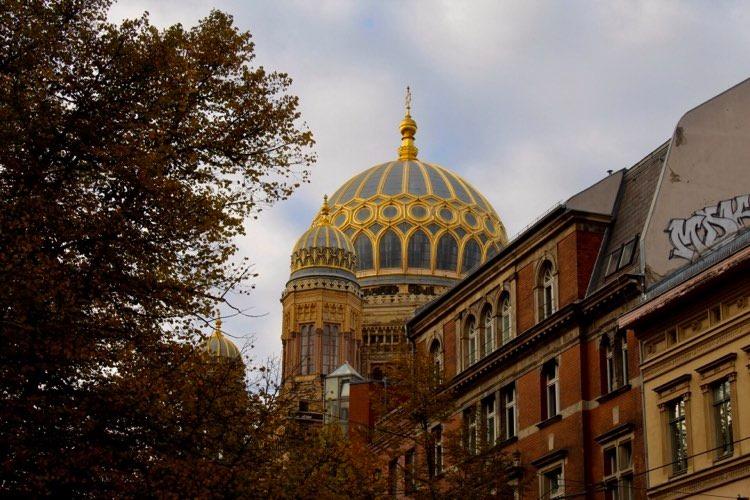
(408, 127)
(323, 217)
(217, 330)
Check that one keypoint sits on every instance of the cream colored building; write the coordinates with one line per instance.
(694, 332)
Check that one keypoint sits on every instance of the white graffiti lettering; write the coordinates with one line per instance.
(708, 226)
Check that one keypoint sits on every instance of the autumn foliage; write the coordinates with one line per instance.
(130, 158)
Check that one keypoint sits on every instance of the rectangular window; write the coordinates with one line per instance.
(488, 420)
(614, 260)
(306, 349)
(618, 471)
(552, 391)
(508, 395)
(437, 440)
(552, 483)
(722, 416)
(392, 476)
(677, 435)
(470, 430)
(628, 250)
(409, 470)
(472, 347)
(330, 347)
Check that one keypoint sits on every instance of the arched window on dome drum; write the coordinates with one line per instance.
(447, 253)
(390, 250)
(472, 256)
(419, 250)
(306, 349)
(363, 248)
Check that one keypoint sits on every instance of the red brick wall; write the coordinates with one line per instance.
(525, 298)
(567, 279)
(361, 410)
(529, 399)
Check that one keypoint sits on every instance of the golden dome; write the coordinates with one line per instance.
(323, 250)
(219, 345)
(415, 220)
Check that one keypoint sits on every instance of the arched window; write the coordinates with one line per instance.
(488, 331)
(363, 248)
(546, 289)
(471, 341)
(472, 256)
(506, 318)
(390, 250)
(419, 250)
(447, 253)
(436, 358)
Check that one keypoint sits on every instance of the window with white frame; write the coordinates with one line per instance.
(551, 483)
(722, 418)
(488, 331)
(471, 341)
(437, 359)
(618, 470)
(508, 401)
(677, 432)
(615, 355)
(550, 373)
(470, 429)
(437, 448)
(410, 470)
(546, 291)
(488, 420)
(506, 318)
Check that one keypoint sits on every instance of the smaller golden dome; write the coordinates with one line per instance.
(323, 249)
(219, 345)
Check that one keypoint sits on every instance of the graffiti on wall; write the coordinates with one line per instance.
(708, 226)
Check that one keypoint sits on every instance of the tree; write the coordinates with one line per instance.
(129, 159)
(420, 423)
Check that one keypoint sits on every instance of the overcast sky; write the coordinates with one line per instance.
(530, 102)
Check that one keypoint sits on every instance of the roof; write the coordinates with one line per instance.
(598, 199)
(345, 370)
(631, 209)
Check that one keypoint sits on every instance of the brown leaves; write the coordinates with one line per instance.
(129, 159)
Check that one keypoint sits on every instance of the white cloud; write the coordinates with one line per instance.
(530, 101)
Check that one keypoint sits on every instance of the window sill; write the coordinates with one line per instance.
(613, 393)
(724, 457)
(549, 421)
(506, 442)
(675, 474)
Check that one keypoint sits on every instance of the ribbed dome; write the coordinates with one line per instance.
(323, 250)
(219, 345)
(413, 218)
(326, 236)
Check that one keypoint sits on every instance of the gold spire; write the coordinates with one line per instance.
(408, 127)
(323, 217)
(217, 330)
